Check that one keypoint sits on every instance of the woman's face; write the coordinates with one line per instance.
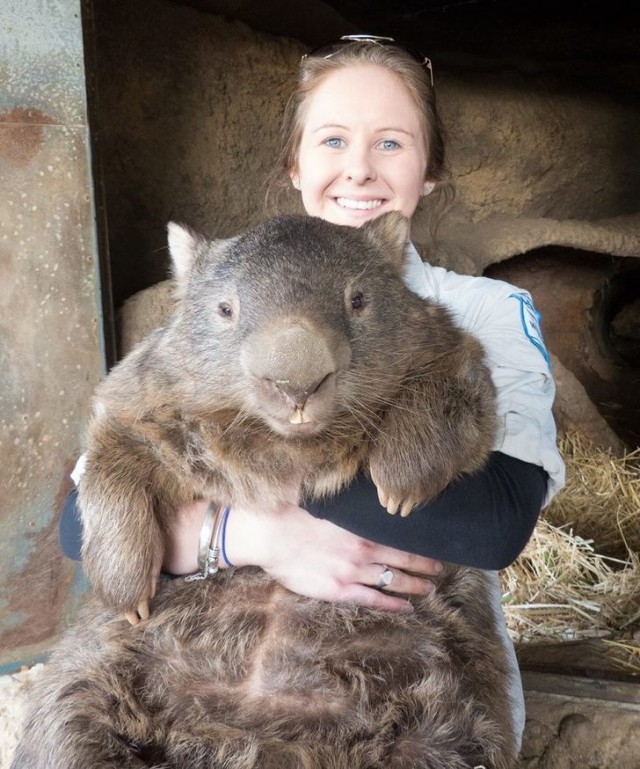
(362, 151)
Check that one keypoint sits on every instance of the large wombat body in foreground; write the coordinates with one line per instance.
(296, 357)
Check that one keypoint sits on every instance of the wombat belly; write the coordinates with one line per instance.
(240, 659)
(259, 657)
(237, 671)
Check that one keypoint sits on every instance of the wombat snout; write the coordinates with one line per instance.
(295, 392)
(293, 368)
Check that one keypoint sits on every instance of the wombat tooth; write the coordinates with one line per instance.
(298, 417)
(295, 417)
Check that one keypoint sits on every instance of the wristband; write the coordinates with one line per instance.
(225, 518)
(209, 543)
(206, 534)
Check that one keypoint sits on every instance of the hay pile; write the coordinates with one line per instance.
(15, 689)
(579, 577)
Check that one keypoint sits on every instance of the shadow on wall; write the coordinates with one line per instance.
(590, 307)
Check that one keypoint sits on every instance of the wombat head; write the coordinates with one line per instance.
(297, 320)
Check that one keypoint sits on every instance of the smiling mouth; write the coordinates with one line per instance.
(359, 205)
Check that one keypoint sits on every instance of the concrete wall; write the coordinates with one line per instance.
(50, 324)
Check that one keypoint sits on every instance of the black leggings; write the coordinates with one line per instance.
(481, 520)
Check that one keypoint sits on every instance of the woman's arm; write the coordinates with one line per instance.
(482, 520)
(308, 555)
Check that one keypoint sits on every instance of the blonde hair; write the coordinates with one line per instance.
(315, 68)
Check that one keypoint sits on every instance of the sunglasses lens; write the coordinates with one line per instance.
(328, 50)
(375, 39)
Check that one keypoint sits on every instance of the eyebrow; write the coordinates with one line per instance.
(395, 129)
(329, 125)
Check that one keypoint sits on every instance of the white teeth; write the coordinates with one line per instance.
(298, 417)
(362, 205)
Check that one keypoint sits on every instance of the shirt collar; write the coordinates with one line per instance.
(414, 273)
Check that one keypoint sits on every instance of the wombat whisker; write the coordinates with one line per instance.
(369, 426)
(367, 418)
(378, 401)
(370, 405)
(343, 427)
(408, 363)
(243, 416)
(383, 404)
(428, 368)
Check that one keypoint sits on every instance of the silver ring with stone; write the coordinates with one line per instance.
(384, 580)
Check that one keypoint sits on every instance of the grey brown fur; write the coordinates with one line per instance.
(296, 357)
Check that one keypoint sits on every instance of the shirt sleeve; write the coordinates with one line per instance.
(70, 527)
(482, 520)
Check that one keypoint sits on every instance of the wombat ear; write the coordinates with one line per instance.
(182, 247)
(389, 233)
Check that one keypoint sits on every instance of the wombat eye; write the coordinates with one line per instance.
(357, 301)
(224, 310)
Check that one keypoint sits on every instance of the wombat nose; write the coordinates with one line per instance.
(292, 360)
(295, 392)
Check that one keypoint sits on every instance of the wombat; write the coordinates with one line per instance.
(296, 358)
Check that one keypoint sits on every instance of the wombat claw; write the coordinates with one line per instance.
(392, 504)
(142, 612)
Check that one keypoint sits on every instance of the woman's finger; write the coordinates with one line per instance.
(376, 599)
(407, 562)
(394, 580)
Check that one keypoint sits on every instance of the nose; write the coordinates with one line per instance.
(359, 167)
(298, 394)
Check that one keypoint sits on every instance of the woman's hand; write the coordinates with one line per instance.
(316, 558)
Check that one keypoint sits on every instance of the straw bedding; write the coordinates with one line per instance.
(579, 576)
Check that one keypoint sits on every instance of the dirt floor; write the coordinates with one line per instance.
(561, 732)
(567, 733)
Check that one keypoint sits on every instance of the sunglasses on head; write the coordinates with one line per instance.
(330, 49)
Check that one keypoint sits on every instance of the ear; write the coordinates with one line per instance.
(428, 188)
(183, 244)
(389, 233)
(295, 178)
(184, 247)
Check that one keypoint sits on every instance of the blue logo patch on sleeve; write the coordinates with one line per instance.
(530, 319)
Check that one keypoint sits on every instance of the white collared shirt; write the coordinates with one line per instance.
(504, 319)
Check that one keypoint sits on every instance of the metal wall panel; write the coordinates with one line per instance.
(51, 354)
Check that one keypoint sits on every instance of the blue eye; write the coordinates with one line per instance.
(389, 144)
(333, 142)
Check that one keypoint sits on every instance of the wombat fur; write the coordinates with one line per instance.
(296, 357)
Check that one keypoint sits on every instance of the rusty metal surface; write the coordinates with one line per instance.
(50, 341)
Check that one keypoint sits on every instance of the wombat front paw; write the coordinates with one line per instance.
(128, 593)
